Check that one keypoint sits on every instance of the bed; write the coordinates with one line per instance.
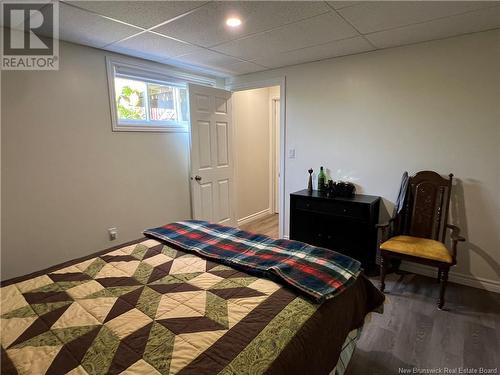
(155, 306)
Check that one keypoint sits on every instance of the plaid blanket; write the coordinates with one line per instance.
(317, 272)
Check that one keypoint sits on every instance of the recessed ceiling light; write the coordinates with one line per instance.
(233, 22)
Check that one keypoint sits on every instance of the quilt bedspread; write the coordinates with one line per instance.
(145, 308)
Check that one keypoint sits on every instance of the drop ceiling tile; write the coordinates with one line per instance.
(313, 31)
(375, 16)
(238, 68)
(484, 19)
(333, 49)
(152, 46)
(207, 57)
(140, 13)
(343, 4)
(217, 62)
(244, 67)
(85, 28)
(206, 27)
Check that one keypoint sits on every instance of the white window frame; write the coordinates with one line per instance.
(154, 74)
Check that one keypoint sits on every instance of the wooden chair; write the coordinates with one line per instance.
(418, 233)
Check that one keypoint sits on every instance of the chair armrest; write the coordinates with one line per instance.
(455, 233)
(455, 238)
(384, 225)
(383, 228)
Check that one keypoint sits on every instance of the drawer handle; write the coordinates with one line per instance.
(345, 210)
(329, 237)
(320, 235)
(308, 205)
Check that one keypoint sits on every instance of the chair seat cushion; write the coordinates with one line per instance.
(418, 247)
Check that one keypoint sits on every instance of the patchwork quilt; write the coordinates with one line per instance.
(147, 308)
(319, 273)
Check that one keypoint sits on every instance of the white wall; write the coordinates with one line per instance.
(252, 143)
(66, 177)
(433, 105)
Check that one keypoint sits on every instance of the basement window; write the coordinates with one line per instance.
(140, 102)
(145, 98)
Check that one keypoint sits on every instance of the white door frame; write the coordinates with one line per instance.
(274, 155)
(281, 82)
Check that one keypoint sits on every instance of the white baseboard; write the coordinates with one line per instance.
(456, 277)
(255, 216)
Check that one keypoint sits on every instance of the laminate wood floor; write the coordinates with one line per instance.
(267, 225)
(413, 333)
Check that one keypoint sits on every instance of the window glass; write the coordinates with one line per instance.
(166, 103)
(145, 103)
(130, 99)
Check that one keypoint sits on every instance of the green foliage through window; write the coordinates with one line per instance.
(129, 104)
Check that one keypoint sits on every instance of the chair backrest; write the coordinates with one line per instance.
(427, 205)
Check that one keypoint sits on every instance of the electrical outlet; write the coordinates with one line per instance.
(113, 233)
(291, 153)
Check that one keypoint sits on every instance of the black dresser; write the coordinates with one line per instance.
(346, 225)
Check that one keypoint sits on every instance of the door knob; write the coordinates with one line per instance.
(197, 178)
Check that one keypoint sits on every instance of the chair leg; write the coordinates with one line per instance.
(383, 270)
(444, 282)
(395, 265)
(440, 273)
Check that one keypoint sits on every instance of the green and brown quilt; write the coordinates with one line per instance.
(146, 308)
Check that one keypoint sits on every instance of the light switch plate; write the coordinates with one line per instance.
(113, 233)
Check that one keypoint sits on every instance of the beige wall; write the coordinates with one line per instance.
(433, 105)
(274, 91)
(66, 177)
(252, 142)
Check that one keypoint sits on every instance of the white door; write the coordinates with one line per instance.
(211, 155)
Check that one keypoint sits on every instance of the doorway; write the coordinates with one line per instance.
(256, 122)
(237, 160)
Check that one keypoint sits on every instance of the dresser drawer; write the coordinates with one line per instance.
(335, 208)
(345, 225)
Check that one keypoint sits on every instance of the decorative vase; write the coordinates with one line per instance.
(310, 183)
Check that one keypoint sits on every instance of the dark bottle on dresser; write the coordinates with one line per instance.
(321, 179)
